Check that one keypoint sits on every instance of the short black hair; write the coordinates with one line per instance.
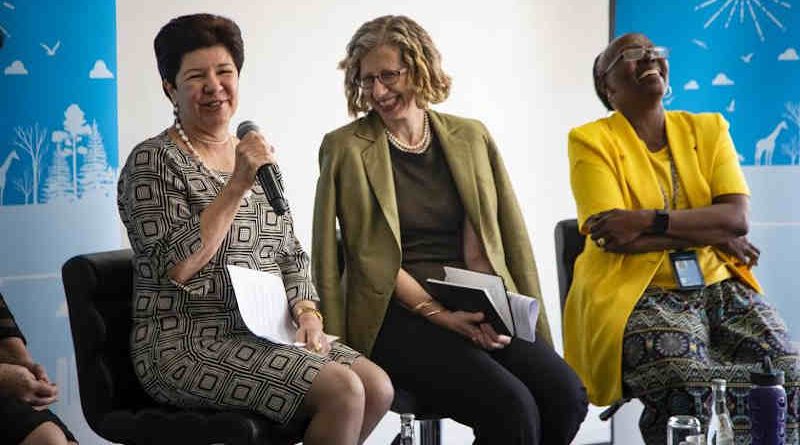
(598, 83)
(187, 33)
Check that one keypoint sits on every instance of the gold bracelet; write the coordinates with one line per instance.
(419, 306)
(433, 312)
(300, 311)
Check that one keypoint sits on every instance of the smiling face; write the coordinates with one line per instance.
(206, 89)
(395, 102)
(633, 81)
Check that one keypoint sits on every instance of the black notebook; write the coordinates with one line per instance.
(465, 290)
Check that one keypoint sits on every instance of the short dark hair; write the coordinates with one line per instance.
(187, 33)
(598, 83)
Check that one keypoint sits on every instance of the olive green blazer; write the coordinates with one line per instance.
(356, 187)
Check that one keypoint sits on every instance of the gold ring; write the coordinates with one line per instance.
(601, 242)
(317, 347)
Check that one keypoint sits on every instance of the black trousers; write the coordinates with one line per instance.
(18, 419)
(522, 394)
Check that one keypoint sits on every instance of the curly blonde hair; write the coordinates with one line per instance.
(417, 51)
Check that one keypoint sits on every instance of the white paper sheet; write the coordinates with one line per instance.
(262, 302)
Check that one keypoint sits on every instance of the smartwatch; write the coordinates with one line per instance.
(660, 222)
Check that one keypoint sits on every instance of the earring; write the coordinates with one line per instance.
(667, 93)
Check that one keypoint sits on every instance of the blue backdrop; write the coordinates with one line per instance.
(58, 163)
(740, 58)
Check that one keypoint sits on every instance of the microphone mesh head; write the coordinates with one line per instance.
(246, 127)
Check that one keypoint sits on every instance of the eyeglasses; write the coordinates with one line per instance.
(633, 54)
(387, 77)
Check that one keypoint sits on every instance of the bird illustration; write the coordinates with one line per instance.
(731, 106)
(746, 58)
(700, 43)
(51, 51)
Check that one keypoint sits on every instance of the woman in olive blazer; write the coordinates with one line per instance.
(414, 190)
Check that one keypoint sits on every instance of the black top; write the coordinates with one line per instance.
(430, 212)
(8, 327)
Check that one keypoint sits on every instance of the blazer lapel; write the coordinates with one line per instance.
(379, 171)
(458, 153)
(639, 173)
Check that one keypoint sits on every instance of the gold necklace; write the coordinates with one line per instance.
(418, 148)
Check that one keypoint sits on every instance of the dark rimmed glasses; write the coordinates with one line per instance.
(387, 77)
(633, 54)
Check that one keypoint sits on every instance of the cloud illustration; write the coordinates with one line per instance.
(100, 71)
(721, 80)
(789, 54)
(17, 68)
(691, 85)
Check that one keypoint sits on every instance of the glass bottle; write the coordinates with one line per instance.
(407, 436)
(720, 426)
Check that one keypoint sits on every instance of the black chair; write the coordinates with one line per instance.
(569, 244)
(99, 290)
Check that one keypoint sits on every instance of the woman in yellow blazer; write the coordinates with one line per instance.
(414, 190)
(659, 191)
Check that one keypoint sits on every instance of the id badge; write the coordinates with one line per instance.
(687, 270)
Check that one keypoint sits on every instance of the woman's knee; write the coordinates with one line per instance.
(377, 384)
(47, 433)
(337, 387)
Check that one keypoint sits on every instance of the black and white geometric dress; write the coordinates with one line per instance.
(189, 344)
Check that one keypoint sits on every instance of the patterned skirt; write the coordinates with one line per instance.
(676, 342)
(235, 371)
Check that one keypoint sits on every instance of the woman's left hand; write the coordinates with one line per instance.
(741, 249)
(310, 332)
(614, 228)
(490, 339)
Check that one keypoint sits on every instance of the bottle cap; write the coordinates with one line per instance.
(768, 376)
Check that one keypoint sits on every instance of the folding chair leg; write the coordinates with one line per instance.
(430, 432)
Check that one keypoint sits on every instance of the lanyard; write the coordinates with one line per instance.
(675, 184)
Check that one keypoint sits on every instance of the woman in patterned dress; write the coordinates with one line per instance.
(663, 299)
(190, 204)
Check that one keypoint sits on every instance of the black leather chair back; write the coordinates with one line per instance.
(569, 244)
(99, 291)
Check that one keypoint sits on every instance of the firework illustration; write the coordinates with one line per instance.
(728, 10)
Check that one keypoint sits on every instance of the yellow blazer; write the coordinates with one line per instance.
(356, 187)
(609, 168)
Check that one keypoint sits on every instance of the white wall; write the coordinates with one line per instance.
(522, 67)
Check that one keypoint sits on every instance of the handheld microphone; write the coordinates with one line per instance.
(267, 174)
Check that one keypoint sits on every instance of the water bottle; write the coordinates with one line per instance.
(767, 400)
(720, 426)
(407, 436)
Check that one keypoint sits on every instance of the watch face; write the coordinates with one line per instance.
(661, 222)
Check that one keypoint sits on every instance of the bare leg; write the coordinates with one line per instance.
(378, 391)
(47, 433)
(335, 403)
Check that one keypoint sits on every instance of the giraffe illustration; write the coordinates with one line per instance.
(767, 145)
(3, 170)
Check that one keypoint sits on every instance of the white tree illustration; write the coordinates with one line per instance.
(58, 187)
(76, 128)
(94, 178)
(25, 185)
(792, 149)
(32, 141)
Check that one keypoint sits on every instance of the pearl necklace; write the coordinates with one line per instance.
(196, 155)
(420, 147)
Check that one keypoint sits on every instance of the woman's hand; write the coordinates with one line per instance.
(252, 152)
(310, 332)
(469, 325)
(18, 381)
(741, 249)
(614, 228)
